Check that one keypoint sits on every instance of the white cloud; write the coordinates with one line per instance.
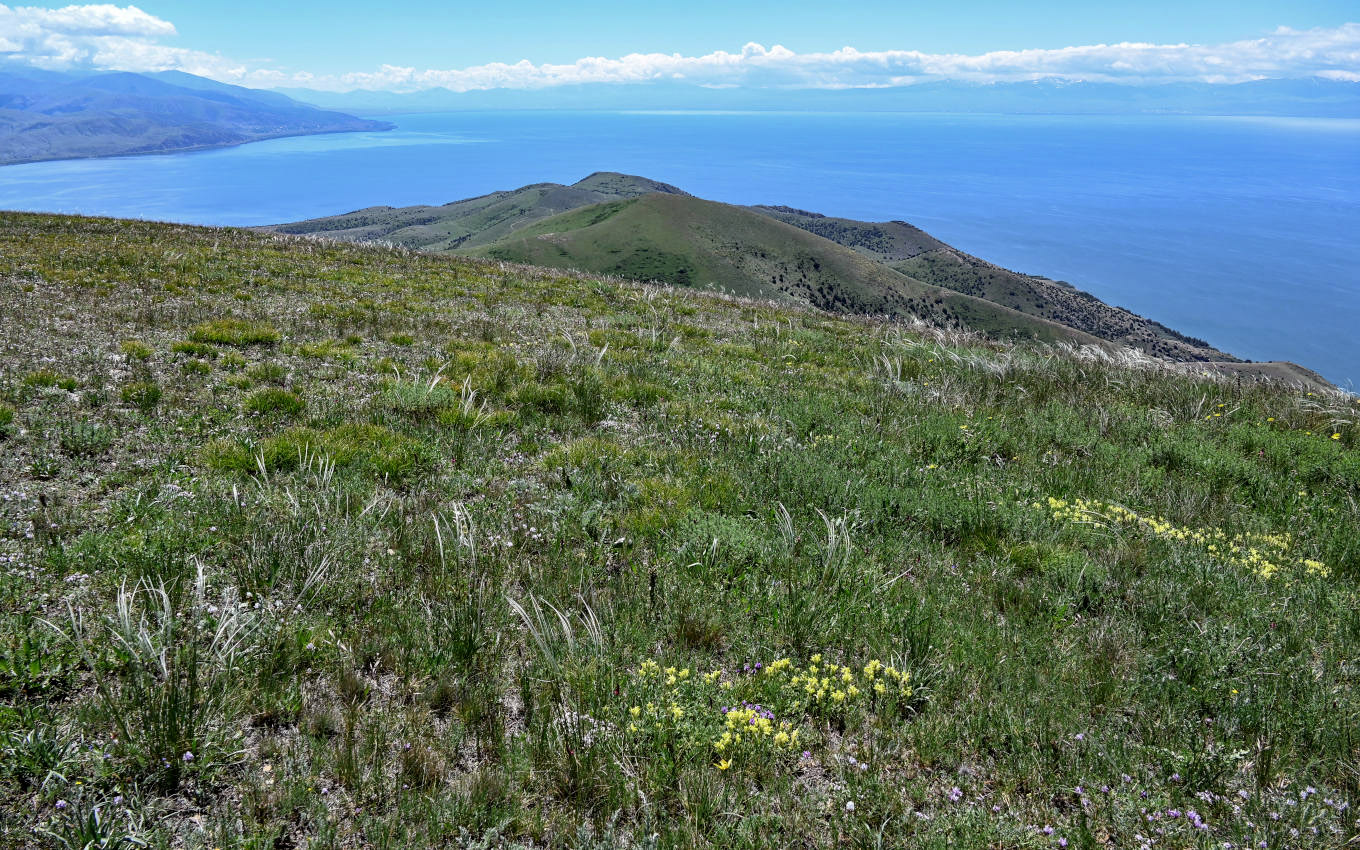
(101, 36)
(126, 38)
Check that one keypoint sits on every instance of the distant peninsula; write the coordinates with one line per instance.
(638, 228)
(46, 115)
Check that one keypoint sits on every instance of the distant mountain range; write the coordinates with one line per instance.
(639, 228)
(50, 115)
(1308, 97)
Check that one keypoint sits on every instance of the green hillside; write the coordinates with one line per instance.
(314, 544)
(917, 254)
(690, 242)
(733, 251)
(475, 221)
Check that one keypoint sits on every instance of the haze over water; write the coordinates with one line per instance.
(1238, 231)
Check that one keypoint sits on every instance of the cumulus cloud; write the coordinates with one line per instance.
(126, 38)
(101, 36)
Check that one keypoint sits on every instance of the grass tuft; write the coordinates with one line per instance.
(235, 332)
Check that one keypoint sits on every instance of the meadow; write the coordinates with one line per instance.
(319, 545)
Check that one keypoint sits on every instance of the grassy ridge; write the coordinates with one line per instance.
(691, 242)
(325, 545)
(854, 267)
(918, 255)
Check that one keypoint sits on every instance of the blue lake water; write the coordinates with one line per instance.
(1244, 232)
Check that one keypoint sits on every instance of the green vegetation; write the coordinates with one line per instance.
(46, 378)
(196, 349)
(586, 563)
(237, 332)
(135, 349)
(274, 402)
(143, 395)
(637, 228)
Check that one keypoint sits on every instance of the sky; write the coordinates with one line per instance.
(340, 45)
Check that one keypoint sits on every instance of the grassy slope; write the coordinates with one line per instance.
(474, 221)
(687, 241)
(917, 254)
(345, 661)
(471, 225)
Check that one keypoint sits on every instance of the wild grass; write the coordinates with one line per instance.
(557, 560)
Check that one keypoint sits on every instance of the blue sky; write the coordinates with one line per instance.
(426, 33)
(340, 44)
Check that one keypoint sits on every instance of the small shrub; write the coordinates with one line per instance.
(274, 402)
(196, 367)
(401, 339)
(143, 395)
(85, 439)
(44, 466)
(136, 350)
(232, 361)
(6, 421)
(235, 332)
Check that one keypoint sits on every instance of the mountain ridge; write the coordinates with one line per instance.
(49, 115)
(907, 268)
(1311, 97)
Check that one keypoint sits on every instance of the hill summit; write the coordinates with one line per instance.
(642, 229)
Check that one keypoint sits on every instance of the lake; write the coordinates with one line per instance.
(1241, 231)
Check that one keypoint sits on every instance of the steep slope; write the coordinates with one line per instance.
(917, 254)
(62, 116)
(687, 241)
